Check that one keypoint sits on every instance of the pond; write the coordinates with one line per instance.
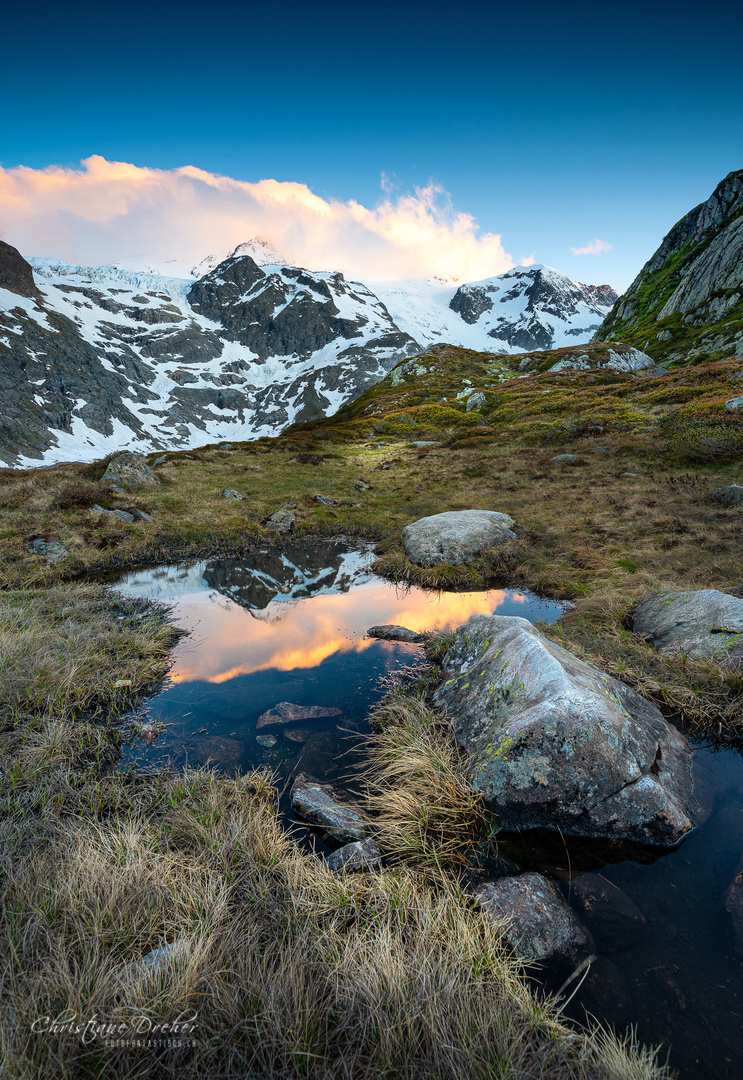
(289, 625)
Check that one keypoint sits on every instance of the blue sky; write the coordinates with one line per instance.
(553, 126)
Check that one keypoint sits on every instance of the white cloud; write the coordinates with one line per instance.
(106, 211)
(596, 247)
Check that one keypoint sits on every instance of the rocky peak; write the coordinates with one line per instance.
(15, 273)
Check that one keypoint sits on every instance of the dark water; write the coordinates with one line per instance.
(289, 625)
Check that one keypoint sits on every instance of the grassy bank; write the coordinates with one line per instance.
(277, 968)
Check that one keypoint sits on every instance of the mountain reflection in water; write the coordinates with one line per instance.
(296, 606)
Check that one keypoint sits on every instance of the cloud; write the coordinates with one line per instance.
(109, 210)
(596, 247)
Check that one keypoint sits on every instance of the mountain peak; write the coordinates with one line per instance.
(260, 251)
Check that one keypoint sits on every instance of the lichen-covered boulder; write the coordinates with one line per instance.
(455, 536)
(697, 623)
(554, 742)
(538, 923)
(129, 472)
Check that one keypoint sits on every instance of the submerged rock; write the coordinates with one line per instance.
(554, 742)
(361, 855)
(285, 712)
(734, 908)
(455, 536)
(539, 924)
(698, 623)
(266, 741)
(613, 918)
(325, 805)
(130, 472)
(389, 632)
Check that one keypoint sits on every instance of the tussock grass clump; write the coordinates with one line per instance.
(70, 647)
(426, 811)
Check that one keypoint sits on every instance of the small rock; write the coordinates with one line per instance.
(362, 485)
(613, 918)
(158, 959)
(734, 404)
(226, 446)
(538, 923)
(605, 992)
(130, 472)
(281, 521)
(665, 988)
(565, 459)
(389, 632)
(286, 712)
(361, 855)
(122, 515)
(324, 805)
(455, 536)
(475, 402)
(142, 515)
(324, 501)
(628, 474)
(731, 495)
(160, 460)
(229, 493)
(699, 622)
(734, 907)
(602, 449)
(53, 550)
(266, 740)
(298, 735)
(420, 443)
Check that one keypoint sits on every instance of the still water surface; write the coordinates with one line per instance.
(289, 625)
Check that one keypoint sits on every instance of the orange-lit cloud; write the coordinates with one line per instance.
(108, 210)
(228, 641)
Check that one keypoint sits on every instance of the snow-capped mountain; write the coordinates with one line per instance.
(97, 359)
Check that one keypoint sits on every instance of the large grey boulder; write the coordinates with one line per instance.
(455, 536)
(538, 923)
(326, 806)
(698, 623)
(554, 742)
(130, 472)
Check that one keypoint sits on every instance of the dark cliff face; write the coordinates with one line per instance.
(283, 313)
(686, 304)
(16, 274)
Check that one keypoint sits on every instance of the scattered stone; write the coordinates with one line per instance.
(226, 446)
(53, 550)
(553, 742)
(538, 924)
(325, 805)
(156, 961)
(362, 486)
(734, 907)
(628, 474)
(324, 501)
(229, 493)
(455, 536)
(388, 632)
(160, 460)
(734, 405)
(285, 712)
(565, 459)
(698, 623)
(361, 855)
(613, 918)
(267, 741)
(298, 735)
(475, 402)
(419, 444)
(281, 521)
(130, 472)
(142, 515)
(121, 515)
(602, 449)
(731, 495)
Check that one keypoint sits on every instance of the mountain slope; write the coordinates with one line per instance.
(94, 360)
(686, 304)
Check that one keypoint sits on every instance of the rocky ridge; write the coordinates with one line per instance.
(686, 304)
